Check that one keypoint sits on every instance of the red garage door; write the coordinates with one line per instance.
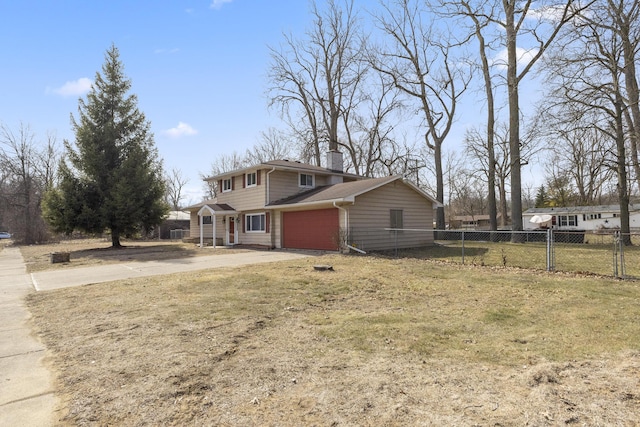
(310, 229)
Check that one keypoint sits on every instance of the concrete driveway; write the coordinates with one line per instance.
(27, 395)
(55, 279)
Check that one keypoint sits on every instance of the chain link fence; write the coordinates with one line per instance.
(610, 253)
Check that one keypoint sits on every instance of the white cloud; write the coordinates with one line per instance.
(183, 129)
(74, 88)
(551, 13)
(217, 4)
(523, 55)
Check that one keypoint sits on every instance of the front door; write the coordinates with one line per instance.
(232, 230)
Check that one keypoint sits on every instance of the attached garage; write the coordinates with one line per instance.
(313, 229)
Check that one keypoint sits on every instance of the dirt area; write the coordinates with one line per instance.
(377, 342)
(87, 252)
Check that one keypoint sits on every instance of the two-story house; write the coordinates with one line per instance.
(288, 204)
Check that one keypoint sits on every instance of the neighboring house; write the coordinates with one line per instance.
(175, 220)
(589, 218)
(472, 222)
(287, 204)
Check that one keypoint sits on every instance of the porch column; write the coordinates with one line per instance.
(201, 229)
(213, 220)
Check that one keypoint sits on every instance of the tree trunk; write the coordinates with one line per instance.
(115, 239)
(437, 155)
(623, 193)
(514, 122)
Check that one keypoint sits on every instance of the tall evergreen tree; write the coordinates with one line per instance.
(112, 179)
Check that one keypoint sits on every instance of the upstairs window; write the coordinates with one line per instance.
(226, 185)
(305, 180)
(251, 179)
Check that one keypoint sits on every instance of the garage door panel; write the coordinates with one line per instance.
(316, 229)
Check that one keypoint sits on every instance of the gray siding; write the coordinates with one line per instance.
(371, 215)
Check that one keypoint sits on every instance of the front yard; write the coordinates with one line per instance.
(378, 341)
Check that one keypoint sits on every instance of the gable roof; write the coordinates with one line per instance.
(212, 203)
(291, 165)
(345, 192)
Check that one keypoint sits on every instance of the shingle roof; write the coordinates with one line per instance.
(212, 203)
(285, 164)
(336, 192)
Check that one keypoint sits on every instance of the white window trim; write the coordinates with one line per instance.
(255, 181)
(246, 221)
(224, 181)
(313, 180)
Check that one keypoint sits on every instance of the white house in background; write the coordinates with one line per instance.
(588, 218)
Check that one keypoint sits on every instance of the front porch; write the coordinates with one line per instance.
(220, 216)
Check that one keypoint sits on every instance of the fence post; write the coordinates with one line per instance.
(623, 272)
(551, 259)
(462, 246)
(614, 260)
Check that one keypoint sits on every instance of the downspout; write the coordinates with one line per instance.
(268, 186)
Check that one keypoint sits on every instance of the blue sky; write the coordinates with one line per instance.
(198, 68)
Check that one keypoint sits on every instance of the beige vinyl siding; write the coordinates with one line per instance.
(242, 199)
(254, 238)
(283, 184)
(370, 215)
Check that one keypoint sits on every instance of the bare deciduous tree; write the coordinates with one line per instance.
(589, 77)
(174, 186)
(28, 169)
(421, 64)
(221, 164)
(315, 81)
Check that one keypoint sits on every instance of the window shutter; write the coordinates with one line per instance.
(258, 177)
(219, 186)
(266, 222)
(233, 183)
(244, 224)
(244, 180)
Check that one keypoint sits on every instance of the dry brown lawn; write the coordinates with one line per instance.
(87, 252)
(377, 342)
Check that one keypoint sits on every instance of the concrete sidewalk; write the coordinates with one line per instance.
(55, 279)
(26, 386)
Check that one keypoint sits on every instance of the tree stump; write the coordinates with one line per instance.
(58, 257)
